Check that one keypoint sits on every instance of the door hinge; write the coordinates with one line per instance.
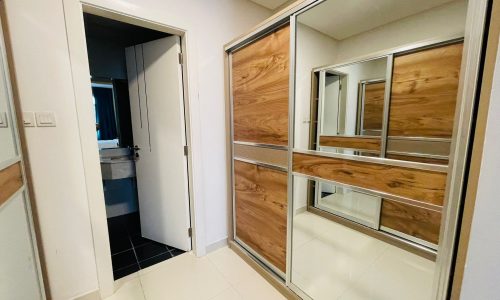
(190, 232)
(181, 60)
(186, 150)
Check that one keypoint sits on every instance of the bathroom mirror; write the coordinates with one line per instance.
(105, 114)
(8, 148)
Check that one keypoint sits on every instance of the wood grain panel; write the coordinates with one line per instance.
(261, 210)
(411, 220)
(424, 92)
(420, 185)
(362, 143)
(260, 77)
(11, 180)
(374, 106)
(427, 160)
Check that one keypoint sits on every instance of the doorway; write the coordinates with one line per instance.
(138, 101)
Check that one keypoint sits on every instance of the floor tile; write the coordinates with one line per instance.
(119, 244)
(120, 273)
(149, 250)
(138, 240)
(232, 267)
(229, 294)
(255, 288)
(184, 277)
(128, 290)
(123, 259)
(384, 280)
(175, 251)
(154, 260)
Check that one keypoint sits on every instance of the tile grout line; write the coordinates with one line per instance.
(138, 272)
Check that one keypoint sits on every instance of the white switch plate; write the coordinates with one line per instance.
(45, 119)
(3, 120)
(29, 119)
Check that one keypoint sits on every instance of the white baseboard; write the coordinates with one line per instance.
(217, 245)
(300, 210)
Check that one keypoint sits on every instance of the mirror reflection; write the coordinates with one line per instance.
(350, 103)
(345, 202)
(8, 149)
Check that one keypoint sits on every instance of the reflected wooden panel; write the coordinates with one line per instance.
(411, 220)
(373, 106)
(427, 160)
(421, 185)
(424, 92)
(11, 180)
(357, 142)
(261, 210)
(260, 80)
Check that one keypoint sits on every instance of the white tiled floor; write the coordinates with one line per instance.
(221, 275)
(330, 261)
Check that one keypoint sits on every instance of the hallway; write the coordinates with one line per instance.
(220, 275)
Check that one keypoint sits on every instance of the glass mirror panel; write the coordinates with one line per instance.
(8, 148)
(332, 261)
(345, 202)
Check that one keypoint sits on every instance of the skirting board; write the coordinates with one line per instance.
(217, 245)
(273, 280)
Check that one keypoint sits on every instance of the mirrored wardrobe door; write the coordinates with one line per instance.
(20, 276)
(376, 86)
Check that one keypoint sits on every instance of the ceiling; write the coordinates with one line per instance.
(119, 33)
(341, 19)
(271, 4)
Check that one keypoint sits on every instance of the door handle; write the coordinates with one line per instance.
(136, 153)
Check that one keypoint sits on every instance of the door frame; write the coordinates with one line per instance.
(73, 12)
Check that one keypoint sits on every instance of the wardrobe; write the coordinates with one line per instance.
(348, 131)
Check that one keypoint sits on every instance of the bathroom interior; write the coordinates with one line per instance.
(107, 41)
(365, 155)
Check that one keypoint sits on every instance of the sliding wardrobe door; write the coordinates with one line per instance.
(20, 276)
(383, 98)
(259, 93)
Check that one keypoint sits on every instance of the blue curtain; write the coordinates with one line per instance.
(105, 113)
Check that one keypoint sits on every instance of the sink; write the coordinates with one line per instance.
(117, 163)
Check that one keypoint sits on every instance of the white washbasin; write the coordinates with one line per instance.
(117, 164)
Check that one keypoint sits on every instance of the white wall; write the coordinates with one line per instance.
(482, 268)
(43, 73)
(443, 21)
(313, 49)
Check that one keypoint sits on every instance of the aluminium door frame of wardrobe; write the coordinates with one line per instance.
(469, 75)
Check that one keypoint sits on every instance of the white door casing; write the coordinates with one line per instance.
(157, 108)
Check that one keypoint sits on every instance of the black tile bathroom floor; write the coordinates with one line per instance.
(130, 252)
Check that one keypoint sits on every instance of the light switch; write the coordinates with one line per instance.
(29, 119)
(4, 123)
(45, 119)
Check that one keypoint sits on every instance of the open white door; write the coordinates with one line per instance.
(157, 108)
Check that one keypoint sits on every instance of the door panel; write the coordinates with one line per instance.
(411, 220)
(260, 80)
(20, 276)
(18, 266)
(156, 99)
(424, 92)
(261, 210)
